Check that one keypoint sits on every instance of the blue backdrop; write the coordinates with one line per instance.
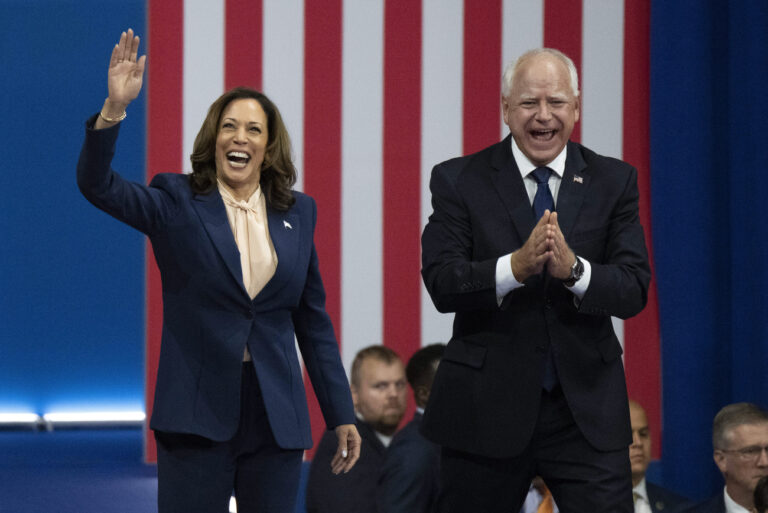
(709, 71)
(72, 279)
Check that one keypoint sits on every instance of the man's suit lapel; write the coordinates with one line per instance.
(572, 190)
(509, 184)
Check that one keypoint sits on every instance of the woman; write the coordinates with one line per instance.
(234, 245)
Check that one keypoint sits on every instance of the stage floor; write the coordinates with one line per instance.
(75, 471)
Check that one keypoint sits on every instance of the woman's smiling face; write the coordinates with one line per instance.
(240, 146)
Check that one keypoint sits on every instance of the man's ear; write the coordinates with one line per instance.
(505, 110)
(577, 108)
(719, 457)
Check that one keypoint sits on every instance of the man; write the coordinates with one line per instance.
(409, 479)
(648, 497)
(379, 391)
(740, 440)
(532, 382)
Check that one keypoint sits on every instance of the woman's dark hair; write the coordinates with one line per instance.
(277, 171)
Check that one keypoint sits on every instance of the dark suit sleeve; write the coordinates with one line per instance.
(144, 208)
(319, 349)
(454, 279)
(620, 279)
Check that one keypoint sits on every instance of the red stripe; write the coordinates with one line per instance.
(402, 176)
(322, 153)
(562, 31)
(641, 333)
(243, 43)
(164, 134)
(482, 73)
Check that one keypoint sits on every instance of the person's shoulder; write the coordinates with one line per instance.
(468, 165)
(410, 444)
(671, 501)
(595, 160)
(303, 203)
(171, 181)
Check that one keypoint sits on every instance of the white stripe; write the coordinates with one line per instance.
(602, 79)
(361, 157)
(441, 126)
(602, 85)
(522, 30)
(283, 69)
(203, 66)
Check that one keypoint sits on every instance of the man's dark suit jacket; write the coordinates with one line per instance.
(353, 492)
(410, 477)
(485, 398)
(665, 501)
(208, 317)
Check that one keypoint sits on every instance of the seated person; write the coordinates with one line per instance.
(409, 479)
(648, 497)
(740, 440)
(379, 393)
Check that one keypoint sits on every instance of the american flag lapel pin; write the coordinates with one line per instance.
(287, 225)
(578, 179)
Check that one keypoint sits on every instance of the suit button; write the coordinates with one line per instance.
(249, 315)
(548, 304)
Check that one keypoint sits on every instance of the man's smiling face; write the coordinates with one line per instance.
(541, 108)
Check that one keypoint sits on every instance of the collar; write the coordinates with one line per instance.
(731, 506)
(227, 194)
(641, 490)
(526, 167)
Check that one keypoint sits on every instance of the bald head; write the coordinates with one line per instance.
(640, 449)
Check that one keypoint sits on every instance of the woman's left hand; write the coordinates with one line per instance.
(349, 449)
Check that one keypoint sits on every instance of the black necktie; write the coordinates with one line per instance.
(543, 201)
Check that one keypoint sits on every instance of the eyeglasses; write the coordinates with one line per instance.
(751, 453)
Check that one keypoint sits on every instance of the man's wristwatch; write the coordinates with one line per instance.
(577, 271)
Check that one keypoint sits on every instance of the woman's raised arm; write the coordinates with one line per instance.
(124, 79)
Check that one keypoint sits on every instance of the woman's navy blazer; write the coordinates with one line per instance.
(208, 317)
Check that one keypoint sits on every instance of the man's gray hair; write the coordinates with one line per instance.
(508, 77)
(733, 416)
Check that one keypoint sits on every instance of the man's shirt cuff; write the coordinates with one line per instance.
(505, 279)
(580, 287)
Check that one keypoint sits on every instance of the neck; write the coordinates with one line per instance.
(743, 498)
(241, 193)
(636, 479)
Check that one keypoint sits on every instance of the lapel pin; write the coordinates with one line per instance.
(578, 179)
(287, 225)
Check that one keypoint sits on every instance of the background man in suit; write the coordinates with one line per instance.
(379, 393)
(649, 498)
(740, 440)
(409, 479)
(532, 380)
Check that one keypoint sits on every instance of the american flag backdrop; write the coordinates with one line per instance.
(374, 93)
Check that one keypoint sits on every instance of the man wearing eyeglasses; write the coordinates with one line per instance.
(740, 439)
